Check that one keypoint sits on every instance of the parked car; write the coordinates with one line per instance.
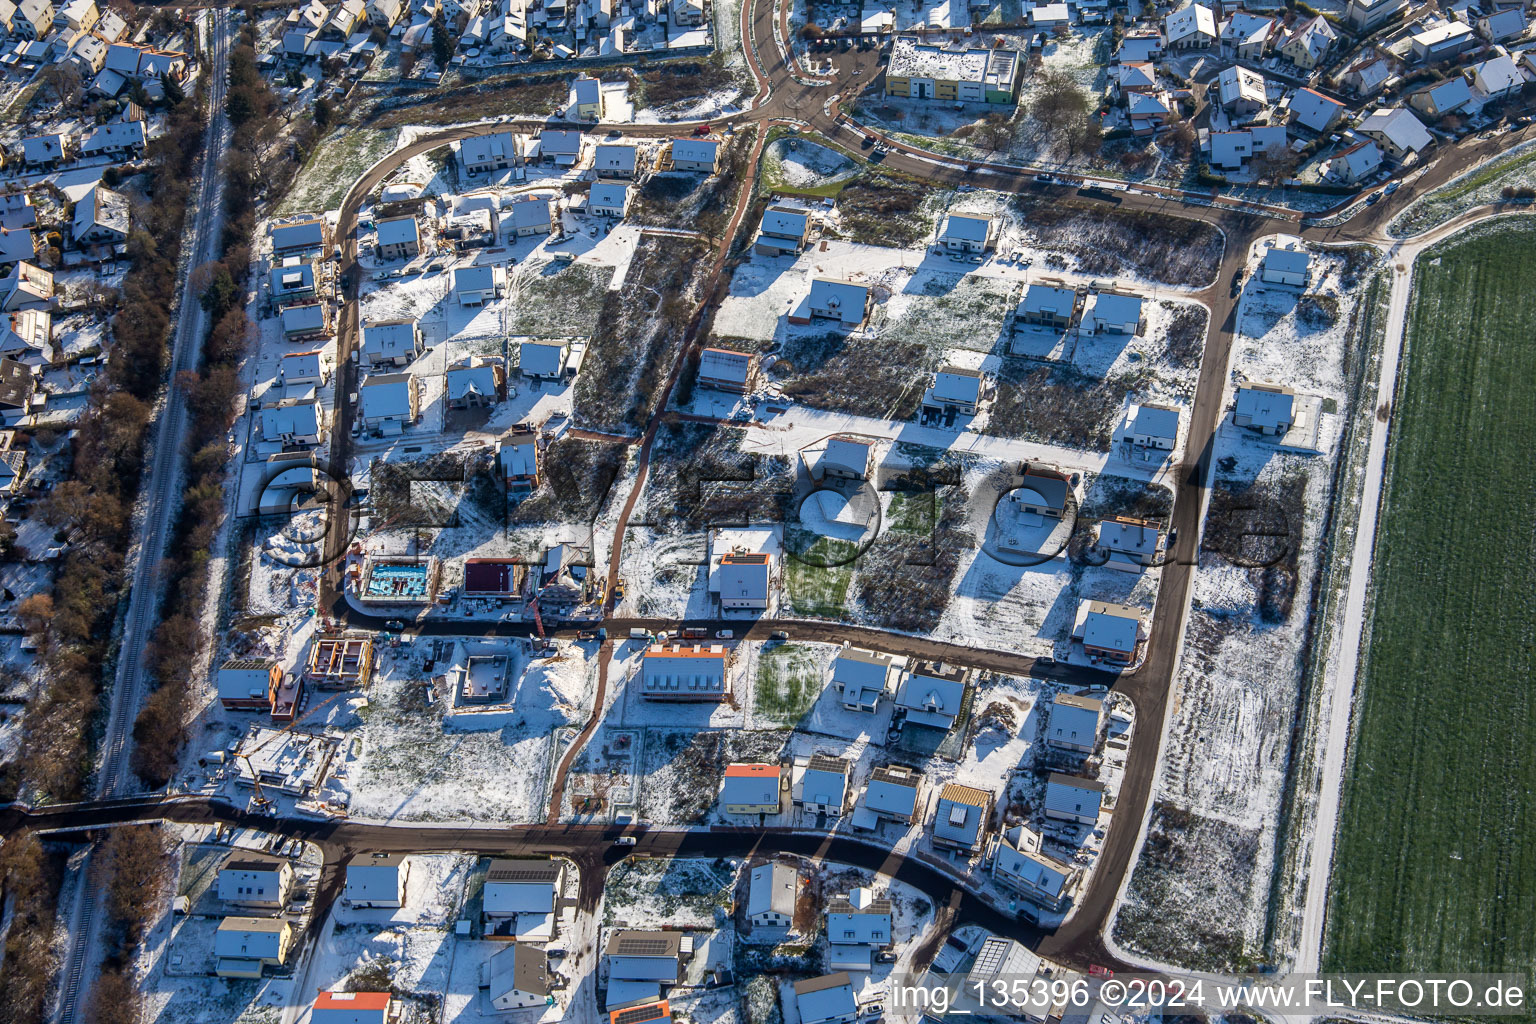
(725, 634)
(779, 635)
(624, 841)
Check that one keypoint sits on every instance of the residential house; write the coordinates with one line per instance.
(391, 342)
(383, 14)
(520, 459)
(399, 238)
(1287, 265)
(1072, 798)
(1190, 27)
(345, 18)
(18, 382)
(968, 234)
(955, 391)
(33, 19)
(101, 218)
(45, 152)
(1397, 131)
(302, 368)
(858, 924)
(475, 382)
(862, 677)
(1048, 305)
(120, 140)
(1042, 491)
(587, 98)
(531, 216)
(608, 199)
(1269, 409)
(1309, 42)
(293, 421)
(960, 817)
(291, 280)
(891, 794)
(1369, 74)
(1111, 313)
(477, 285)
(16, 245)
(1132, 544)
(1447, 97)
(654, 957)
(389, 402)
(350, 1008)
(1074, 723)
(543, 358)
(933, 693)
(824, 785)
(111, 27)
(771, 893)
(1497, 78)
(610, 160)
(1354, 164)
(517, 977)
(485, 154)
(297, 237)
(520, 897)
(1008, 970)
(722, 369)
(828, 999)
(1020, 866)
(783, 230)
(1148, 112)
(752, 789)
(846, 457)
(1241, 92)
(561, 147)
(242, 946)
(306, 320)
(25, 286)
(16, 209)
(1311, 109)
(1140, 45)
(1497, 26)
(952, 74)
(697, 155)
(1441, 41)
(745, 579)
(1368, 15)
(832, 299)
(247, 684)
(252, 881)
(1229, 151)
(1108, 632)
(378, 880)
(1135, 77)
(1246, 36)
(26, 336)
(679, 673)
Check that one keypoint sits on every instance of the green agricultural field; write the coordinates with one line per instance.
(1435, 867)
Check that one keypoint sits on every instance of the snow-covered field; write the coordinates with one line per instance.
(416, 760)
(1199, 893)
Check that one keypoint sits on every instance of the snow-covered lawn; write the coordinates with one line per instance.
(334, 166)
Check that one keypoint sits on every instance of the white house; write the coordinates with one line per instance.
(862, 677)
(1241, 91)
(350, 1008)
(969, 234)
(1309, 43)
(101, 218)
(1497, 77)
(752, 789)
(697, 155)
(745, 579)
(516, 977)
(1070, 798)
(1132, 544)
(1498, 26)
(771, 893)
(608, 199)
(891, 794)
(543, 358)
(1442, 98)
(826, 1000)
(1108, 631)
(520, 896)
(389, 402)
(485, 154)
(531, 216)
(399, 238)
(391, 342)
(253, 881)
(1289, 265)
(842, 301)
(723, 369)
(955, 391)
(610, 160)
(1354, 164)
(1190, 27)
(960, 817)
(1266, 408)
(823, 785)
(933, 693)
(1247, 34)
(1397, 131)
(1311, 109)
(475, 286)
(1112, 313)
(376, 881)
(1367, 15)
(474, 382)
(858, 924)
(247, 684)
(1074, 723)
(293, 421)
(1446, 39)
(242, 946)
(678, 673)
(1020, 866)
(847, 457)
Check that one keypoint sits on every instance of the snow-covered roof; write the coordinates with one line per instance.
(475, 278)
(557, 143)
(964, 228)
(525, 213)
(1314, 110)
(952, 384)
(299, 417)
(542, 358)
(772, 887)
(1188, 21)
(608, 195)
(1238, 83)
(42, 148)
(114, 135)
(1049, 299)
(398, 231)
(614, 159)
(725, 365)
(785, 222)
(1073, 795)
(1032, 870)
(1505, 24)
(1448, 95)
(1287, 261)
(701, 151)
(1265, 406)
(960, 814)
(304, 318)
(1107, 626)
(386, 396)
(828, 998)
(251, 938)
(473, 375)
(389, 339)
(1244, 28)
(1356, 162)
(1399, 127)
(1497, 75)
(500, 147)
(844, 298)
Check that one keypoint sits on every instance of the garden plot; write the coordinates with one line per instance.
(412, 766)
(681, 769)
(803, 166)
(645, 892)
(553, 299)
(334, 167)
(941, 309)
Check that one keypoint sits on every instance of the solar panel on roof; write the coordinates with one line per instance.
(643, 946)
(638, 1014)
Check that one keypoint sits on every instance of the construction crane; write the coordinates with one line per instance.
(260, 799)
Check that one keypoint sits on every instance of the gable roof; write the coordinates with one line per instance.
(1314, 110)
